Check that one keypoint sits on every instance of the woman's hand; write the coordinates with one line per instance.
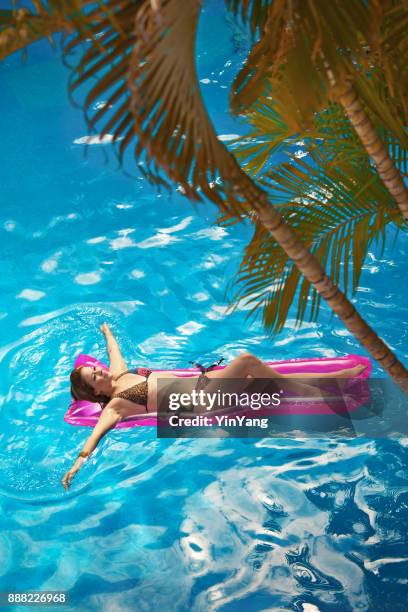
(104, 328)
(66, 481)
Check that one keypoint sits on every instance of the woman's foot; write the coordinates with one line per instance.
(350, 372)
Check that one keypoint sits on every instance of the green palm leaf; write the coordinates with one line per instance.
(253, 12)
(296, 38)
(20, 28)
(271, 133)
(389, 52)
(340, 207)
(300, 42)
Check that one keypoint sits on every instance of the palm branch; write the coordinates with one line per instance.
(340, 207)
(159, 112)
(311, 52)
(21, 27)
(336, 202)
(271, 132)
(297, 40)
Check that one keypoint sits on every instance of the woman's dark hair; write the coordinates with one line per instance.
(81, 390)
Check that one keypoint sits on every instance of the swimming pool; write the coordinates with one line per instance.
(178, 524)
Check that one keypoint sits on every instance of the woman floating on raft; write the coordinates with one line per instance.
(124, 393)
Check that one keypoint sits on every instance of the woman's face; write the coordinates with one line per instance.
(99, 379)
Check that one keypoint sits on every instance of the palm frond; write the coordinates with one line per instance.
(389, 48)
(298, 41)
(253, 12)
(170, 119)
(140, 58)
(340, 208)
(398, 152)
(383, 109)
(103, 68)
(271, 133)
(305, 47)
(20, 27)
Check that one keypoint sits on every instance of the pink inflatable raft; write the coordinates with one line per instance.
(87, 414)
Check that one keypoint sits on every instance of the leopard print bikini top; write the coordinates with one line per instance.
(138, 393)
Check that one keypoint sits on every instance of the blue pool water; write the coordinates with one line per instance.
(211, 524)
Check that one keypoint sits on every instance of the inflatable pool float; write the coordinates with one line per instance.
(87, 413)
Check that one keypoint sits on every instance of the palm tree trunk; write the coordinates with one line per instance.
(388, 172)
(312, 270)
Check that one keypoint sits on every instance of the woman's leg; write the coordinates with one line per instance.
(246, 366)
(243, 366)
(347, 373)
(249, 365)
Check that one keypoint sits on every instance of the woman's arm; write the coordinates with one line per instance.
(116, 362)
(107, 420)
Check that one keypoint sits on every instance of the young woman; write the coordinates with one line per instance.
(124, 393)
